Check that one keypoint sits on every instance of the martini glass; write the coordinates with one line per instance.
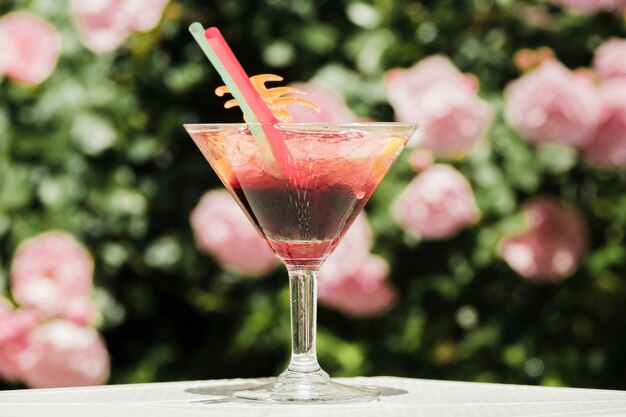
(302, 210)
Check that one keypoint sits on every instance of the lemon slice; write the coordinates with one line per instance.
(384, 160)
(394, 145)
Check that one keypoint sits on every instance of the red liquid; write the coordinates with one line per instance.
(302, 225)
(302, 209)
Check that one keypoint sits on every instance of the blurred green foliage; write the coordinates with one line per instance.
(99, 150)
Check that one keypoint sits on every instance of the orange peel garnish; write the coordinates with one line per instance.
(273, 97)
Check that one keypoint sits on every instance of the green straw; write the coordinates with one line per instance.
(197, 31)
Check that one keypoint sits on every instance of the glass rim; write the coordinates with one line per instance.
(350, 125)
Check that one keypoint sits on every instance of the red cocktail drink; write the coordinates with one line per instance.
(302, 211)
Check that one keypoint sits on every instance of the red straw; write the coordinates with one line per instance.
(251, 97)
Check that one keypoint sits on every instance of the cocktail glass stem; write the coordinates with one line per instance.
(304, 380)
(303, 299)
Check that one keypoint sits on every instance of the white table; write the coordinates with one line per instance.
(401, 397)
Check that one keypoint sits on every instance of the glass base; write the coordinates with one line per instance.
(306, 388)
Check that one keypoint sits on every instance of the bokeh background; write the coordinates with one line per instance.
(493, 251)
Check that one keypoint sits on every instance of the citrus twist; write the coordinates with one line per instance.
(273, 97)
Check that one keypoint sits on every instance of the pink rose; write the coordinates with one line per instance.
(15, 325)
(436, 204)
(552, 105)
(30, 48)
(352, 280)
(364, 292)
(80, 310)
(444, 101)
(420, 77)
(592, 6)
(608, 148)
(63, 354)
(609, 60)
(350, 253)
(103, 25)
(333, 108)
(223, 231)
(53, 274)
(146, 13)
(552, 244)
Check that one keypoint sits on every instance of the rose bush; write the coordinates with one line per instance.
(96, 149)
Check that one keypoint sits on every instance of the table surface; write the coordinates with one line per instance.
(401, 397)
